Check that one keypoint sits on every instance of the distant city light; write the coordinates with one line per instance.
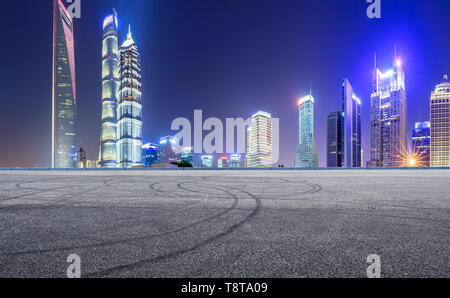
(412, 162)
(399, 63)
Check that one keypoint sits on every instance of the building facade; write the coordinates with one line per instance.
(235, 161)
(335, 140)
(150, 154)
(259, 151)
(129, 111)
(350, 137)
(207, 161)
(64, 113)
(167, 150)
(187, 155)
(306, 155)
(223, 162)
(388, 112)
(440, 125)
(110, 88)
(421, 142)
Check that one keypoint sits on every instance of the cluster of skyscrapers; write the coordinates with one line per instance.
(121, 132)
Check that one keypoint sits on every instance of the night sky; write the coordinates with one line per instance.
(230, 58)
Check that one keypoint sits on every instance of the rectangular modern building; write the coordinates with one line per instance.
(440, 125)
(259, 153)
(64, 120)
(334, 140)
(351, 127)
(388, 112)
(421, 141)
(306, 155)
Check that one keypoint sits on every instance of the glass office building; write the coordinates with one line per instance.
(306, 155)
(421, 141)
(440, 125)
(388, 111)
(64, 114)
(350, 137)
(335, 139)
(110, 85)
(207, 161)
(150, 154)
(129, 111)
(235, 161)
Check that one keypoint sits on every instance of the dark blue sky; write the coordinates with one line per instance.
(227, 57)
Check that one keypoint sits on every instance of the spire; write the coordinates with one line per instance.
(310, 87)
(375, 60)
(129, 40)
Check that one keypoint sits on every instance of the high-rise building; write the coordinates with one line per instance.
(187, 155)
(440, 125)
(110, 85)
(168, 149)
(388, 111)
(247, 147)
(335, 140)
(129, 111)
(223, 162)
(421, 141)
(306, 155)
(259, 152)
(207, 161)
(150, 154)
(64, 120)
(351, 127)
(235, 160)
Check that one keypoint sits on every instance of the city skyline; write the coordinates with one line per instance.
(85, 139)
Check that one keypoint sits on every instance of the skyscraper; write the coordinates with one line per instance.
(110, 85)
(334, 139)
(351, 127)
(129, 112)
(440, 125)
(388, 111)
(306, 155)
(64, 120)
(259, 152)
(421, 141)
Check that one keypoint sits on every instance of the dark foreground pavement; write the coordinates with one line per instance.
(225, 223)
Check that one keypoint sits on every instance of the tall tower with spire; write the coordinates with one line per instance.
(306, 154)
(388, 112)
(110, 88)
(129, 111)
(64, 120)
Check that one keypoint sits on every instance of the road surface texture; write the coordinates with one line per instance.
(225, 224)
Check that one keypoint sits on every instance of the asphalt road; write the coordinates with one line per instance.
(229, 224)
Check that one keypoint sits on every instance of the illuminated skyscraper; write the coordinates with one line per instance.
(351, 127)
(421, 141)
(388, 110)
(259, 153)
(440, 125)
(306, 155)
(110, 85)
(129, 111)
(64, 120)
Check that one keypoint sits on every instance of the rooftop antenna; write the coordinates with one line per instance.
(395, 53)
(310, 87)
(375, 60)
